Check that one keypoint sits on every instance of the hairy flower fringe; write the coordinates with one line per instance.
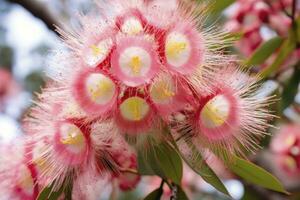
(135, 70)
(56, 163)
(236, 130)
(18, 177)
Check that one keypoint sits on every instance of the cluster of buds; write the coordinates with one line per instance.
(139, 69)
(251, 16)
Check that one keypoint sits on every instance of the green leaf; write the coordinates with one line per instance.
(254, 174)
(219, 6)
(143, 167)
(48, 193)
(291, 89)
(286, 49)
(194, 159)
(163, 160)
(250, 194)
(68, 192)
(170, 162)
(181, 194)
(264, 51)
(155, 195)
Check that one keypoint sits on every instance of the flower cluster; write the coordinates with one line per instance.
(254, 17)
(139, 69)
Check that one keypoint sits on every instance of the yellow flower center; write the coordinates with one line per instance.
(135, 65)
(100, 88)
(134, 108)
(215, 112)
(290, 163)
(178, 49)
(96, 50)
(74, 137)
(174, 48)
(162, 91)
(290, 140)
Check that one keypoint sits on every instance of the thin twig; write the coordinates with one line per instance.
(294, 11)
(127, 170)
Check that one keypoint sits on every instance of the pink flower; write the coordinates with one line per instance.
(251, 15)
(183, 48)
(126, 160)
(129, 74)
(230, 116)
(18, 177)
(135, 114)
(286, 149)
(168, 94)
(135, 60)
(8, 87)
(96, 91)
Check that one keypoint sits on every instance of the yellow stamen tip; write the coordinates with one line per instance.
(173, 49)
(102, 88)
(212, 113)
(73, 138)
(135, 65)
(96, 50)
(134, 108)
(162, 91)
(291, 163)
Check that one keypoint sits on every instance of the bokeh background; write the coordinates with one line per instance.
(267, 34)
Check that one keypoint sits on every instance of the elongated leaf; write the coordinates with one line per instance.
(250, 194)
(170, 162)
(49, 194)
(162, 160)
(286, 49)
(153, 162)
(291, 89)
(219, 6)
(264, 51)
(255, 174)
(155, 195)
(68, 192)
(194, 159)
(143, 167)
(181, 194)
